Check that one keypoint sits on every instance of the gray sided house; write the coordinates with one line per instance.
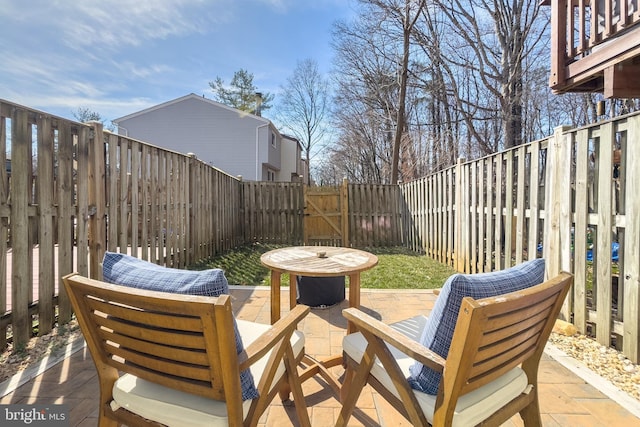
(236, 142)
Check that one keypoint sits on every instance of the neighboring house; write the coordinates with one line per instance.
(292, 162)
(236, 142)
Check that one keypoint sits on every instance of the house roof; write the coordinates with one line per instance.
(184, 98)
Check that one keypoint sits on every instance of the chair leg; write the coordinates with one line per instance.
(285, 391)
(531, 413)
(105, 421)
(106, 416)
(346, 384)
(354, 383)
(296, 388)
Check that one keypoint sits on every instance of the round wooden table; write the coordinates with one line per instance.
(317, 261)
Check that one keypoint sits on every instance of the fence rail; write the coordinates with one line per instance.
(572, 198)
(70, 191)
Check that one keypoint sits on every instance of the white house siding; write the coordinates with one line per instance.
(290, 157)
(274, 158)
(233, 141)
(270, 154)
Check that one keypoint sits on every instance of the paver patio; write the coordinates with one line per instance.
(566, 399)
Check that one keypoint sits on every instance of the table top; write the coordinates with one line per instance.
(318, 260)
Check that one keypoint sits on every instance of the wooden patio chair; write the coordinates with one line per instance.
(171, 359)
(489, 374)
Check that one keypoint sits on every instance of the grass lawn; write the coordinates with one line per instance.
(398, 268)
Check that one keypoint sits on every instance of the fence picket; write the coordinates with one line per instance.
(174, 210)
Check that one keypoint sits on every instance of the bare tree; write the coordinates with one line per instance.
(397, 19)
(433, 80)
(303, 108)
(366, 95)
(406, 15)
(492, 38)
(85, 114)
(469, 84)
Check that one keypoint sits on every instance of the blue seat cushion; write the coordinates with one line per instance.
(438, 331)
(122, 269)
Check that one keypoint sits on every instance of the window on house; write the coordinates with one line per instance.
(271, 175)
(273, 140)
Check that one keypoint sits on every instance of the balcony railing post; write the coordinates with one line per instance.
(558, 41)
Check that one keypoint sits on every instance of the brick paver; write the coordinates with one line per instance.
(566, 399)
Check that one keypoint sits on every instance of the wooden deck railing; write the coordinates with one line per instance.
(593, 46)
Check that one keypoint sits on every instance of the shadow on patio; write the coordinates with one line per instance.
(566, 399)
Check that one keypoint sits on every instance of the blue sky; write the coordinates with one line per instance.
(117, 57)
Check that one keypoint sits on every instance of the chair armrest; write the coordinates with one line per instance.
(265, 342)
(411, 348)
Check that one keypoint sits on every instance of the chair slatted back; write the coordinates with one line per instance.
(494, 335)
(180, 341)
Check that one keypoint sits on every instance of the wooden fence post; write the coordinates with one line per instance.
(344, 211)
(66, 215)
(557, 196)
(80, 196)
(508, 210)
(458, 219)
(20, 194)
(46, 270)
(602, 258)
(631, 280)
(580, 312)
(499, 219)
(97, 201)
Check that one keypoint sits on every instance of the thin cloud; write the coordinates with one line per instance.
(284, 6)
(138, 71)
(111, 24)
(119, 56)
(279, 5)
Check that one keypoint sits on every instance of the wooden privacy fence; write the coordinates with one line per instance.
(274, 212)
(70, 191)
(572, 198)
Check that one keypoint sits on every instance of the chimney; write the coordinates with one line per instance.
(258, 103)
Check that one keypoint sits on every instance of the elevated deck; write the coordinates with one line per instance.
(595, 47)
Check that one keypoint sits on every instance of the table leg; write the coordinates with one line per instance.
(293, 291)
(275, 296)
(354, 297)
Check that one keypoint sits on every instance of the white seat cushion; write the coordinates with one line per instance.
(472, 408)
(179, 409)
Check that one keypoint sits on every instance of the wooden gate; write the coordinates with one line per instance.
(326, 215)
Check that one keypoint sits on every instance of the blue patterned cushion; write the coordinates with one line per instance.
(129, 271)
(439, 329)
(136, 273)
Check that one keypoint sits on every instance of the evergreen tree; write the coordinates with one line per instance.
(241, 93)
